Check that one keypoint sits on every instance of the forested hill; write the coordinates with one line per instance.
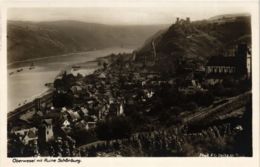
(28, 40)
(197, 40)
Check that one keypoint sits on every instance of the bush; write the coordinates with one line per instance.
(202, 99)
(221, 91)
(84, 136)
(229, 83)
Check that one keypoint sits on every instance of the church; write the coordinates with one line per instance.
(237, 64)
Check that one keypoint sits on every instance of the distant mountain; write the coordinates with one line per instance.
(228, 16)
(196, 41)
(27, 40)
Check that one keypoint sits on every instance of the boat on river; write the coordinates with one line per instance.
(31, 66)
(19, 70)
(76, 67)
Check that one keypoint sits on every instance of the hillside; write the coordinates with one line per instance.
(196, 41)
(27, 40)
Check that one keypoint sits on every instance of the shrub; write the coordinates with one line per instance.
(190, 106)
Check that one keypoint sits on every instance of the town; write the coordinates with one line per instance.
(130, 107)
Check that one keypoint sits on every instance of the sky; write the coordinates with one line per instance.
(134, 15)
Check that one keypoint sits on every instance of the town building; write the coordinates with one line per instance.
(236, 65)
(221, 65)
(73, 115)
(27, 136)
(91, 125)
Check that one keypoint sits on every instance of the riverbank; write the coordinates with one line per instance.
(31, 83)
(68, 56)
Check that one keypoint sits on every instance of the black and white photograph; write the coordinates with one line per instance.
(129, 81)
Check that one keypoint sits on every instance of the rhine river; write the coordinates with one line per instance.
(27, 84)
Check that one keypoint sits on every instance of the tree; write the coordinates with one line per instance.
(121, 127)
(69, 80)
(62, 100)
(115, 128)
(105, 65)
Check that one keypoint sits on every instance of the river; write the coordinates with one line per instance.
(27, 84)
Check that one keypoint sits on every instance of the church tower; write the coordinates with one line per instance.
(241, 56)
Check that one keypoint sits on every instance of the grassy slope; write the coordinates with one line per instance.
(199, 40)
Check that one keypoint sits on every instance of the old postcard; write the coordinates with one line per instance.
(163, 82)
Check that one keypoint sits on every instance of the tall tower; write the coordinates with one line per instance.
(241, 56)
(249, 63)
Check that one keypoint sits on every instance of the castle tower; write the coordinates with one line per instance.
(177, 20)
(188, 19)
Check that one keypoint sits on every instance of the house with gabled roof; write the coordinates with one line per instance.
(27, 136)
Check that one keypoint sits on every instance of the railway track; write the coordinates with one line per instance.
(230, 105)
